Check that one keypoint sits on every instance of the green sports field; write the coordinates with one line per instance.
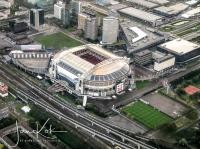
(58, 41)
(146, 115)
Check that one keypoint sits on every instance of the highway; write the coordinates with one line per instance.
(70, 114)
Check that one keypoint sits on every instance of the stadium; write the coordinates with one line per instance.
(91, 71)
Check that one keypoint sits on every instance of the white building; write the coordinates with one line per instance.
(59, 9)
(110, 30)
(164, 62)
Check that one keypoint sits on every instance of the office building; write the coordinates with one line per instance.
(110, 30)
(82, 17)
(91, 28)
(143, 57)
(36, 17)
(59, 9)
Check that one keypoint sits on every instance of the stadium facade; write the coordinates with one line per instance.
(90, 70)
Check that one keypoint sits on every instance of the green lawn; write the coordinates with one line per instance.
(58, 41)
(142, 84)
(146, 115)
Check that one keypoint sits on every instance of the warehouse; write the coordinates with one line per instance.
(171, 10)
(143, 16)
(144, 3)
(183, 50)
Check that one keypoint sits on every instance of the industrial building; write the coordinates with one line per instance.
(91, 28)
(160, 2)
(139, 38)
(171, 10)
(143, 3)
(110, 30)
(36, 18)
(183, 50)
(191, 13)
(3, 89)
(143, 16)
(91, 71)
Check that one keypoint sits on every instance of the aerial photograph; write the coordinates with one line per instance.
(99, 74)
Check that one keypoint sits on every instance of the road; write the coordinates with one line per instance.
(69, 114)
(106, 106)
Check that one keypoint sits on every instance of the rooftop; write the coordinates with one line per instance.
(191, 13)
(143, 3)
(180, 46)
(133, 37)
(77, 58)
(191, 90)
(142, 53)
(173, 9)
(150, 17)
(161, 2)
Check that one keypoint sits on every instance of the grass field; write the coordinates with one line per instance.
(146, 115)
(58, 41)
(142, 84)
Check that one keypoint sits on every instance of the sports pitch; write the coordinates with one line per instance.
(58, 41)
(146, 115)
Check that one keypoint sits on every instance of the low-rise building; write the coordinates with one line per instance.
(171, 10)
(182, 49)
(164, 63)
(143, 57)
(3, 89)
(143, 16)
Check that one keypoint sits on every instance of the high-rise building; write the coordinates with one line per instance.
(59, 9)
(91, 28)
(75, 6)
(110, 30)
(43, 4)
(102, 2)
(36, 17)
(66, 17)
(82, 17)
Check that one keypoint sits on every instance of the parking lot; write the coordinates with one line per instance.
(166, 105)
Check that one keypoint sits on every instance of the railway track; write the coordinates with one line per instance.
(69, 113)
